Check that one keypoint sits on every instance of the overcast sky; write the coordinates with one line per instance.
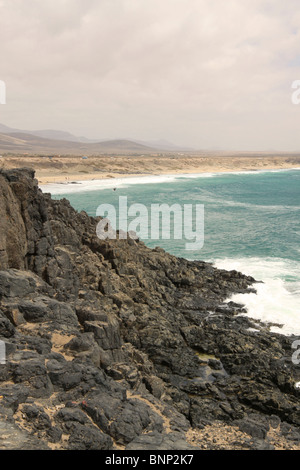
(200, 73)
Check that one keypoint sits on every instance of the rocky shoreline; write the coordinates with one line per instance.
(112, 345)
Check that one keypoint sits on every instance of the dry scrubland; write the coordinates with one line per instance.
(60, 168)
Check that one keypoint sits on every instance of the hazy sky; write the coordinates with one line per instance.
(200, 73)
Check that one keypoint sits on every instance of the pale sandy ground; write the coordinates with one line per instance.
(224, 437)
(61, 169)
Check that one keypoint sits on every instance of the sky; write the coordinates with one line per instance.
(205, 74)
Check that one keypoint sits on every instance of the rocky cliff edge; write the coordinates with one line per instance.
(112, 345)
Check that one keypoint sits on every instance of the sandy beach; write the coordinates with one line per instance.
(63, 169)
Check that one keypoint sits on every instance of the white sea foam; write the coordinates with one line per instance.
(278, 297)
(106, 183)
(208, 196)
(101, 184)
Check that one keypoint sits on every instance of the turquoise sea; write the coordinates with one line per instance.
(251, 223)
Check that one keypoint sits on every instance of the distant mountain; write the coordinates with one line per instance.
(21, 142)
(56, 135)
(5, 129)
(163, 145)
(46, 133)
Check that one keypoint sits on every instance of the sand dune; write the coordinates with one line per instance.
(74, 168)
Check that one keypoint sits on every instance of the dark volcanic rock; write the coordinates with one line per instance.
(112, 344)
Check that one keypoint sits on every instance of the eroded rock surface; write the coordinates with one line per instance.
(112, 345)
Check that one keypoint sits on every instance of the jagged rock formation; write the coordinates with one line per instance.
(111, 345)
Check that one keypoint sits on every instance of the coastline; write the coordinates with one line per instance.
(76, 183)
(76, 177)
(61, 169)
(80, 350)
(269, 271)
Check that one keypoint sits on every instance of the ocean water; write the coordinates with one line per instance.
(251, 224)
